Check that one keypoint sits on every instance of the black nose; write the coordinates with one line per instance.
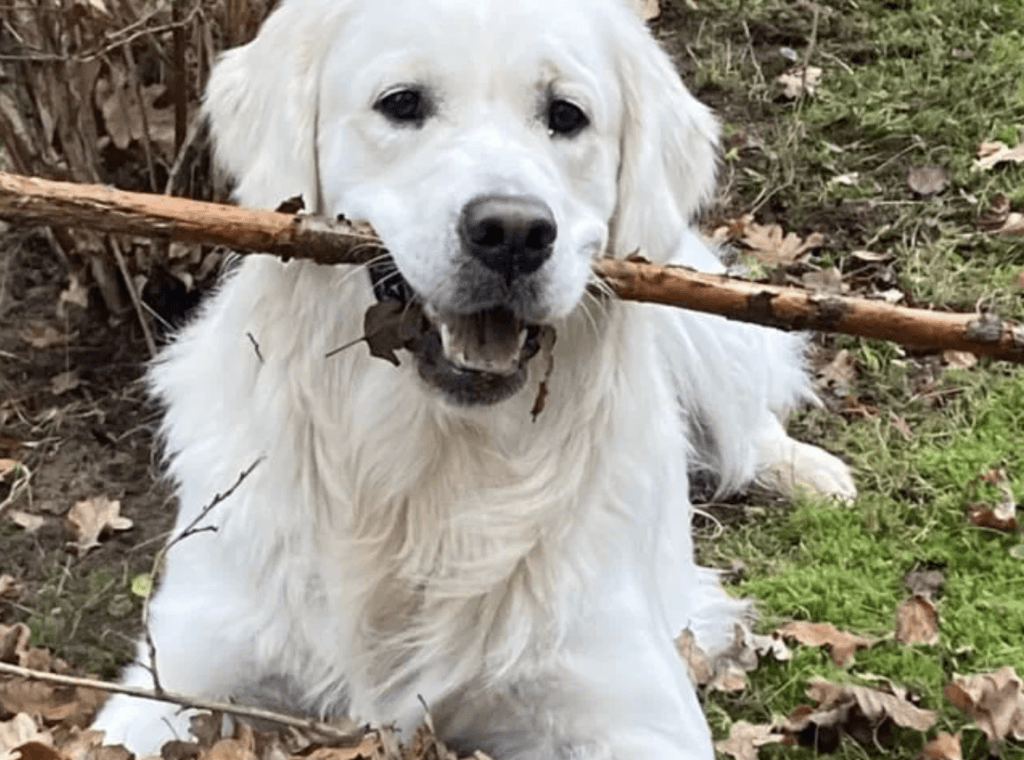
(511, 235)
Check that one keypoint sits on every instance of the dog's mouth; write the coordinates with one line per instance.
(472, 359)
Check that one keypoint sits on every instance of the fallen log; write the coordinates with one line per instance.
(28, 200)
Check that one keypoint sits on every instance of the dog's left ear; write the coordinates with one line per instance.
(261, 103)
(669, 143)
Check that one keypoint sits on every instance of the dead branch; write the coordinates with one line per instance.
(336, 735)
(33, 201)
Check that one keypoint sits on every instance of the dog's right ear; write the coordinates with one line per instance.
(261, 103)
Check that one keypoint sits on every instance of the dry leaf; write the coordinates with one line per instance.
(26, 521)
(917, 621)
(696, 660)
(870, 256)
(959, 359)
(824, 282)
(839, 374)
(841, 644)
(7, 466)
(125, 121)
(17, 731)
(42, 336)
(999, 219)
(928, 180)
(75, 294)
(745, 738)
(390, 325)
(9, 589)
(769, 246)
(798, 81)
(64, 382)
(874, 704)
(13, 642)
(994, 700)
(92, 517)
(943, 747)
(924, 582)
(648, 9)
(850, 180)
(992, 153)
(1000, 517)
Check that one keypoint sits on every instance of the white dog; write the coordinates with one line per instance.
(412, 532)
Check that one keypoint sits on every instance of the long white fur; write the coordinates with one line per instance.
(524, 578)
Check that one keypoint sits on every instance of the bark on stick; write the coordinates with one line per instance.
(28, 200)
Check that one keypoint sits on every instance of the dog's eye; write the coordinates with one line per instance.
(408, 106)
(566, 119)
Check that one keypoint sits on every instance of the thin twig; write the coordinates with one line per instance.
(158, 561)
(326, 730)
(133, 293)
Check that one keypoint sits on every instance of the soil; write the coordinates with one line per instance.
(93, 439)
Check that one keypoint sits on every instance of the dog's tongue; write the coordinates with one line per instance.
(488, 341)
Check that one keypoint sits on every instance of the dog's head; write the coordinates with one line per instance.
(498, 148)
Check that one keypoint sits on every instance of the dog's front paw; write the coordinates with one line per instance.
(790, 467)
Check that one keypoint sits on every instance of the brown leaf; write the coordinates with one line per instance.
(54, 704)
(10, 588)
(799, 81)
(825, 282)
(390, 325)
(928, 180)
(13, 641)
(93, 517)
(125, 121)
(696, 659)
(874, 704)
(1000, 517)
(7, 466)
(959, 359)
(38, 751)
(917, 621)
(841, 644)
(18, 731)
(840, 374)
(992, 153)
(26, 521)
(943, 747)
(769, 245)
(64, 382)
(745, 738)
(994, 700)
(42, 336)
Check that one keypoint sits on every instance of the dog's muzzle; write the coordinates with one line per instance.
(480, 357)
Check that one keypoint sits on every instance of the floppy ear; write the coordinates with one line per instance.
(262, 101)
(668, 150)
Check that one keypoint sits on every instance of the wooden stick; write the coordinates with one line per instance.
(336, 734)
(29, 200)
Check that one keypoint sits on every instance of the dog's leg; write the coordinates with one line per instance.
(191, 623)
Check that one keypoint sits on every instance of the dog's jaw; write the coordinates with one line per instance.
(473, 359)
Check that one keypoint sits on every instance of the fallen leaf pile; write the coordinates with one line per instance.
(51, 704)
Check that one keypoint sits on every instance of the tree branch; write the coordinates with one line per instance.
(29, 200)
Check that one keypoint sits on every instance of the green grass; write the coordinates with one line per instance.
(907, 82)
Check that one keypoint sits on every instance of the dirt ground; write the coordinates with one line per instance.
(92, 439)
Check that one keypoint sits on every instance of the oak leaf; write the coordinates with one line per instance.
(917, 621)
(745, 738)
(93, 517)
(994, 700)
(842, 645)
(943, 747)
